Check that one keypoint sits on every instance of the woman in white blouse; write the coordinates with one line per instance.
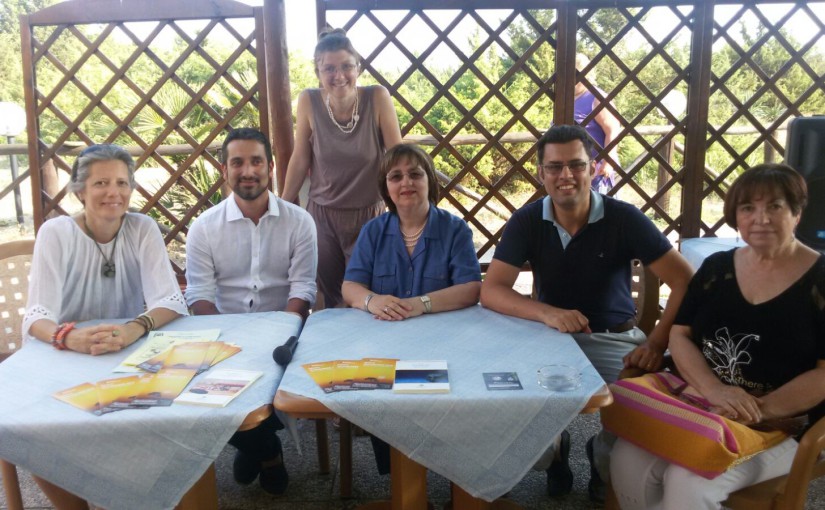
(103, 263)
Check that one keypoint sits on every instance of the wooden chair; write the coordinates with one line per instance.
(644, 287)
(787, 492)
(15, 262)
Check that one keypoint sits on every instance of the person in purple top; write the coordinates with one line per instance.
(603, 129)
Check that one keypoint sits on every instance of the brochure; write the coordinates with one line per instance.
(421, 376)
(159, 341)
(219, 388)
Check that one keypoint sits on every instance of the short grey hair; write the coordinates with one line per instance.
(99, 152)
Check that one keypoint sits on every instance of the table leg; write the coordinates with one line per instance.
(408, 486)
(322, 440)
(11, 485)
(203, 495)
(464, 501)
(345, 457)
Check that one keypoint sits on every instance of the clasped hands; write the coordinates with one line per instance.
(387, 307)
(736, 404)
(103, 338)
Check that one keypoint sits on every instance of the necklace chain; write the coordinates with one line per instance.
(353, 122)
(108, 267)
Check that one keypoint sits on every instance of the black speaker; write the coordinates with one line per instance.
(805, 152)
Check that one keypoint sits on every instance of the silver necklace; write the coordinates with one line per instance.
(350, 127)
(108, 267)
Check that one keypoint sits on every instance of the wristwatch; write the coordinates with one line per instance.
(428, 304)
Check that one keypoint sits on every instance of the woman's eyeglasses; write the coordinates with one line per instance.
(396, 177)
(343, 68)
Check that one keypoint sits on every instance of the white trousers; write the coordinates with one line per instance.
(644, 481)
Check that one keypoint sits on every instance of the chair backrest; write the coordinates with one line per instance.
(644, 287)
(15, 263)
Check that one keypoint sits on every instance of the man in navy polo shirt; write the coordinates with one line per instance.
(580, 245)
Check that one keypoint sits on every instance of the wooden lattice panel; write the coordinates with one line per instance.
(475, 150)
(759, 84)
(167, 88)
(644, 94)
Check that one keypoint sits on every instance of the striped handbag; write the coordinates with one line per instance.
(664, 415)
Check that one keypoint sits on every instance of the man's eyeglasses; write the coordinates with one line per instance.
(396, 177)
(343, 68)
(575, 167)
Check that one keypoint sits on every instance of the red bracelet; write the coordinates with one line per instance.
(59, 336)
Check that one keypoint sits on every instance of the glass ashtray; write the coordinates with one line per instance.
(559, 378)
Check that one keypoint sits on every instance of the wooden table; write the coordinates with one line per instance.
(408, 479)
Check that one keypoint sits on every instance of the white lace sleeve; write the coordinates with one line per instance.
(160, 288)
(48, 274)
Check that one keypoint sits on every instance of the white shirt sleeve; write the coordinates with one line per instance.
(201, 283)
(160, 287)
(303, 263)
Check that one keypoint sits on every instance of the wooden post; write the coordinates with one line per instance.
(770, 152)
(697, 118)
(661, 179)
(565, 64)
(277, 84)
(32, 127)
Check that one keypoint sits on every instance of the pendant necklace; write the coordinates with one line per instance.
(353, 122)
(108, 267)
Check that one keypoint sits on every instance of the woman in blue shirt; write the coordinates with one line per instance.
(415, 258)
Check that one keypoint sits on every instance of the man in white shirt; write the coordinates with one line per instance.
(253, 252)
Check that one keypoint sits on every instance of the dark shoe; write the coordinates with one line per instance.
(596, 488)
(245, 468)
(559, 475)
(274, 478)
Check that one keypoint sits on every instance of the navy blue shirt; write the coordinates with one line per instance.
(590, 271)
(443, 257)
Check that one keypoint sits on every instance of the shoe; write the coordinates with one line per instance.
(245, 468)
(559, 475)
(596, 488)
(274, 478)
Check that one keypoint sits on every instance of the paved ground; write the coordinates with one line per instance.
(310, 491)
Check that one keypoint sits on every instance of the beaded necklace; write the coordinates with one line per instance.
(353, 122)
(411, 240)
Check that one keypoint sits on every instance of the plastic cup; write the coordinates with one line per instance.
(559, 378)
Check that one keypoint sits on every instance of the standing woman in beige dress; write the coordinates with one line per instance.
(341, 135)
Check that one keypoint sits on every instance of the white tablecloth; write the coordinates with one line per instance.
(485, 441)
(697, 249)
(130, 459)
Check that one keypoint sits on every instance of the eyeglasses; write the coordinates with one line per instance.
(396, 177)
(343, 68)
(575, 167)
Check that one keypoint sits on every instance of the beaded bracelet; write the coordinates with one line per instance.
(60, 334)
(145, 321)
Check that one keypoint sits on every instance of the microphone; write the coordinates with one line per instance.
(283, 353)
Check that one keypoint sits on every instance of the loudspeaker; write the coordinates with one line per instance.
(805, 152)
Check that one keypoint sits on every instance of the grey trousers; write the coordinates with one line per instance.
(338, 230)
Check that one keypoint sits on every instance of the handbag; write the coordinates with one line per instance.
(664, 415)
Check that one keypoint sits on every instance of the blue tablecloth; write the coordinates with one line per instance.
(131, 459)
(485, 441)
